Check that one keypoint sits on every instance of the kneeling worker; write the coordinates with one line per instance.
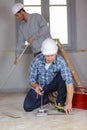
(49, 72)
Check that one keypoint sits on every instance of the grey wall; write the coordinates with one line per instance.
(79, 58)
(18, 79)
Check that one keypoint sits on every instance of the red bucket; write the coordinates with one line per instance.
(80, 100)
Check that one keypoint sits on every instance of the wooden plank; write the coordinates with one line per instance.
(65, 56)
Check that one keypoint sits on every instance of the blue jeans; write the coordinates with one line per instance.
(31, 101)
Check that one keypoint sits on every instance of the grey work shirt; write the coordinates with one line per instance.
(35, 26)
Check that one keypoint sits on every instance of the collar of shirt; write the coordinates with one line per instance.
(43, 61)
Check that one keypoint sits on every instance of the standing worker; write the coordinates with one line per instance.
(49, 72)
(33, 29)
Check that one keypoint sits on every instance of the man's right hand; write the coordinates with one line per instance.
(39, 90)
(30, 40)
(16, 60)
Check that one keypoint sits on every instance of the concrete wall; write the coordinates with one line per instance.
(17, 80)
(79, 58)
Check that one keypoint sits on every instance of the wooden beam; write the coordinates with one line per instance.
(65, 56)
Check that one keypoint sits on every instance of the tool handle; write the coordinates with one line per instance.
(41, 101)
(23, 51)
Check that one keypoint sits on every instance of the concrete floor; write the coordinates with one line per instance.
(13, 117)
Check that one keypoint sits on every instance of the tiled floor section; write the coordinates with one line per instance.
(13, 117)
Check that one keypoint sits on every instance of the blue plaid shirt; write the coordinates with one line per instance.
(40, 75)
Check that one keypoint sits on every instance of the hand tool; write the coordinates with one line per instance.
(42, 111)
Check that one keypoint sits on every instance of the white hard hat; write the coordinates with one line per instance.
(17, 7)
(49, 47)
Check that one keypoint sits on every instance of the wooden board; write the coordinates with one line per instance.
(65, 56)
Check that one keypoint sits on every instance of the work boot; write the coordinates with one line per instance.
(60, 107)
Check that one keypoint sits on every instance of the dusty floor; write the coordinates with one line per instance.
(13, 117)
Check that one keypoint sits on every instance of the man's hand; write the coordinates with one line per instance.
(68, 108)
(30, 40)
(69, 97)
(16, 60)
(38, 90)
